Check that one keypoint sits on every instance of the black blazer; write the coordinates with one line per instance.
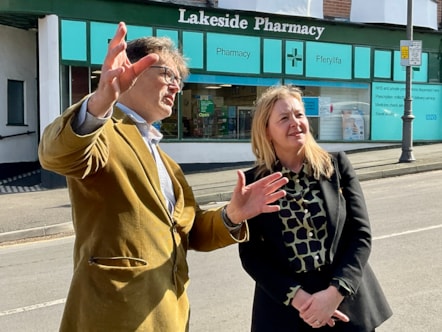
(349, 238)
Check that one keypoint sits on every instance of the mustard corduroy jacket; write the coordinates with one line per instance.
(130, 270)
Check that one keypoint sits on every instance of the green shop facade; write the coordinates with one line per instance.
(351, 74)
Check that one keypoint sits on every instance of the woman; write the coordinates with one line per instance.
(309, 260)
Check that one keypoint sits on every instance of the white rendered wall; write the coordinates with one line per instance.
(394, 12)
(18, 61)
(307, 8)
(49, 70)
(194, 153)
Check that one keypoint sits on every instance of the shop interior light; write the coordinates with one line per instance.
(213, 87)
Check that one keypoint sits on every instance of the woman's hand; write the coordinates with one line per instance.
(320, 308)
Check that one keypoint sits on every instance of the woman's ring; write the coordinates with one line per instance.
(318, 322)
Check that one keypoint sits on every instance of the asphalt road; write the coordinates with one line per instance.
(407, 228)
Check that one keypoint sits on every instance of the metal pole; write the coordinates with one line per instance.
(407, 118)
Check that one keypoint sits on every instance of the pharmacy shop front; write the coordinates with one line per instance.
(351, 75)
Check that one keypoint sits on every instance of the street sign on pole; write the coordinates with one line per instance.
(411, 52)
(406, 54)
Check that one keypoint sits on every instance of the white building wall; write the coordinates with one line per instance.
(394, 12)
(204, 153)
(18, 61)
(307, 8)
(49, 69)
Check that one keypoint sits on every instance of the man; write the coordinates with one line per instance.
(134, 214)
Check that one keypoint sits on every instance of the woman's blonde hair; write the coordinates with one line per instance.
(316, 157)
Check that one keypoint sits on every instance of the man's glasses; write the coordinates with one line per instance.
(170, 77)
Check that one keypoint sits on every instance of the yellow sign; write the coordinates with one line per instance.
(404, 52)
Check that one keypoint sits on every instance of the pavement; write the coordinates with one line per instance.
(30, 212)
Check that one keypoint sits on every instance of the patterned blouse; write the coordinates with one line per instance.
(304, 224)
(304, 221)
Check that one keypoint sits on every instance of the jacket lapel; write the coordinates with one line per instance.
(129, 131)
(334, 206)
(177, 186)
(330, 191)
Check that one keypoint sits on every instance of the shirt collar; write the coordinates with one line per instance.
(147, 130)
(305, 170)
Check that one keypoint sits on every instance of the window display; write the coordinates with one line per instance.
(225, 111)
(217, 111)
(343, 113)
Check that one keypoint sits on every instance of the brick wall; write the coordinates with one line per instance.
(337, 8)
(439, 13)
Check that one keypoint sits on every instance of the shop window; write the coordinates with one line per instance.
(221, 111)
(344, 113)
(77, 82)
(65, 87)
(16, 103)
(169, 126)
(94, 78)
(337, 111)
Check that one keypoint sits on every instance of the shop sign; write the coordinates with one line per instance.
(328, 60)
(259, 23)
(206, 108)
(236, 54)
(311, 106)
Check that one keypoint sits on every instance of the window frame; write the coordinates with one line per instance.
(16, 102)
